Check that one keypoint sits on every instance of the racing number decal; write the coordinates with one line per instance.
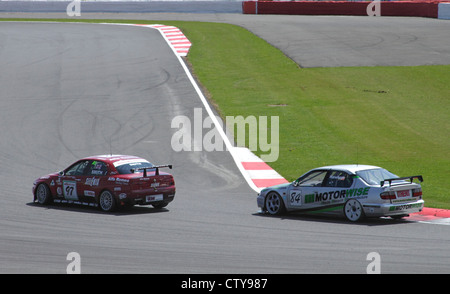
(295, 198)
(70, 190)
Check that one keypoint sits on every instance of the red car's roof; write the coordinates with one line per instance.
(114, 158)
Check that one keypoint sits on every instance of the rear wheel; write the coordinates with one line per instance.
(274, 204)
(399, 216)
(43, 195)
(160, 205)
(353, 210)
(107, 201)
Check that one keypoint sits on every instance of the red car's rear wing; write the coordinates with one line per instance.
(156, 167)
(420, 178)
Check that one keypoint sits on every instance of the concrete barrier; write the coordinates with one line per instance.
(444, 10)
(394, 8)
(124, 6)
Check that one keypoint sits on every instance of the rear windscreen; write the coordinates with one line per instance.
(133, 167)
(375, 176)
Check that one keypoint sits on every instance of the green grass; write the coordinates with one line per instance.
(394, 117)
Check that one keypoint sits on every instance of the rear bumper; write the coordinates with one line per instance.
(389, 209)
(155, 198)
(144, 201)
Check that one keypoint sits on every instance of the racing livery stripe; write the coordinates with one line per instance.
(327, 208)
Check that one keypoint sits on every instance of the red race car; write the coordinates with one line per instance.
(108, 181)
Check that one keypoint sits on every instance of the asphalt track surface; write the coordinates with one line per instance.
(71, 90)
(322, 41)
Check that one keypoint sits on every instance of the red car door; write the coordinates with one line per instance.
(72, 180)
(93, 180)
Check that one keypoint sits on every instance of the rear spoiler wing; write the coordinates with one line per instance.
(156, 167)
(420, 178)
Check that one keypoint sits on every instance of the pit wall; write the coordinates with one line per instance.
(392, 8)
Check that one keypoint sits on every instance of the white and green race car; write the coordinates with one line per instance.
(356, 191)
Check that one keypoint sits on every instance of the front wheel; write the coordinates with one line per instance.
(353, 210)
(43, 194)
(274, 204)
(106, 201)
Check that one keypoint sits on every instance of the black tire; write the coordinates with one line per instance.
(160, 205)
(353, 210)
(274, 204)
(107, 201)
(43, 194)
(400, 216)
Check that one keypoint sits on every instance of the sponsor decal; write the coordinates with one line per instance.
(124, 181)
(97, 172)
(405, 206)
(89, 193)
(337, 195)
(151, 198)
(92, 181)
(403, 193)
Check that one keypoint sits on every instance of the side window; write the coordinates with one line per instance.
(77, 169)
(313, 179)
(339, 179)
(97, 168)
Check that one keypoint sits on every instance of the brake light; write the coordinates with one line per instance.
(387, 195)
(417, 192)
